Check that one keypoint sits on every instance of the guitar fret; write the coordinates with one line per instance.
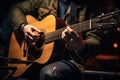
(52, 36)
(81, 27)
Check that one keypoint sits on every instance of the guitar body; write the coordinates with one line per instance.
(16, 48)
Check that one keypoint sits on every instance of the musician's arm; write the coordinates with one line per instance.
(17, 14)
(93, 44)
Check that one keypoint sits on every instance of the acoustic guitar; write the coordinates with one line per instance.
(52, 27)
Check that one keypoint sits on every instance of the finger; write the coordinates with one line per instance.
(36, 29)
(69, 29)
(63, 33)
(29, 36)
(71, 32)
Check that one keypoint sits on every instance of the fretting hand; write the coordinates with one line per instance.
(73, 40)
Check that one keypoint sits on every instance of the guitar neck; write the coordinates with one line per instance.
(79, 27)
(96, 23)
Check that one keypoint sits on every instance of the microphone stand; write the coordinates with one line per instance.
(12, 61)
(13, 69)
(93, 73)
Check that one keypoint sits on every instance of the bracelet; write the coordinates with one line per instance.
(22, 26)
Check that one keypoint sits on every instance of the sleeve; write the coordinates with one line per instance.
(93, 44)
(17, 14)
(93, 47)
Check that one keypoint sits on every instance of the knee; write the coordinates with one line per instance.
(59, 71)
(48, 73)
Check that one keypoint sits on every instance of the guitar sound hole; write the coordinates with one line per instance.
(41, 40)
(33, 54)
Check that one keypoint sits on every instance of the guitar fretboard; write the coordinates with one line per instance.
(79, 27)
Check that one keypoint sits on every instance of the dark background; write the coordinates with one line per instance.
(5, 30)
(5, 33)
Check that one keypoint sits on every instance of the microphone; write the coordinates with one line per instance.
(14, 60)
